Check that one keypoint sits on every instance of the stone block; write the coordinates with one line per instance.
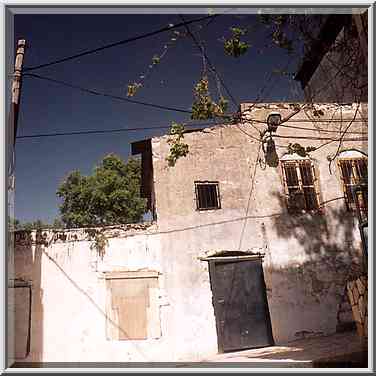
(355, 294)
(361, 308)
(355, 310)
(350, 285)
(360, 285)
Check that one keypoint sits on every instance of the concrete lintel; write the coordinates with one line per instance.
(232, 258)
(131, 274)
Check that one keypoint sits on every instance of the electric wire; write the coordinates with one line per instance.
(96, 92)
(57, 134)
(199, 46)
(121, 42)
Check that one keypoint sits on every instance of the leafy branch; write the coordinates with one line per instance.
(235, 46)
(299, 149)
(100, 241)
(155, 60)
(178, 148)
(203, 106)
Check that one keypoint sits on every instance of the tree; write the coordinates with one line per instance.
(17, 225)
(111, 195)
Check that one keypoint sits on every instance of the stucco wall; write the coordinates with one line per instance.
(307, 258)
(69, 295)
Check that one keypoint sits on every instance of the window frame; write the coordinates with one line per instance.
(296, 164)
(355, 180)
(218, 197)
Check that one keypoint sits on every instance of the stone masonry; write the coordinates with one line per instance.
(358, 294)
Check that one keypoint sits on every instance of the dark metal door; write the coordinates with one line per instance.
(240, 304)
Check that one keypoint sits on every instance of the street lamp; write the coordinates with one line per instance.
(273, 121)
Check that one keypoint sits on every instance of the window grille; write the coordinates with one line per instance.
(299, 179)
(354, 175)
(207, 195)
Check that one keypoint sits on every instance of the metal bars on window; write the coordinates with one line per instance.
(354, 175)
(207, 195)
(300, 179)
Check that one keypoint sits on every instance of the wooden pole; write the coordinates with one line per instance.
(14, 110)
(16, 89)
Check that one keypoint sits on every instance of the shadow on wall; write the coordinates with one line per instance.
(28, 313)
(28, 268)
(332, 256)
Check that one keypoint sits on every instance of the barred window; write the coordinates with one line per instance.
(207, 195)
(354, 175)
(299, 180)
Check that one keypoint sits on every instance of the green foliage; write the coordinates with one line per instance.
(99, 239)
(58, 223)
(299, 149)
(16, 225)
(279, 24)
(156, 60)
(13, 224)
(234, 46)
(178, 148)
(132, 88)
(111, 195)
(203, 106)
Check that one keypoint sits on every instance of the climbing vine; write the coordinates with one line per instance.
(234, 46)
(299, 149)
(100, 241)
(204, 107)
(134, 87)
(178, 148)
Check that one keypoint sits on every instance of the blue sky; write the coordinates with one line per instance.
(46, 107)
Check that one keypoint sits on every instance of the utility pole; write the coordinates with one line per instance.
(12, 132)
(14, 108)
(16, 87)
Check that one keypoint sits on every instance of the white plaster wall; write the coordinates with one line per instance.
(307, 259)
(69, 320)
(304, 276)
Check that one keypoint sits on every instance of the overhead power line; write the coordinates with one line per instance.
(119, 43)
(321, 138)
(89, 132)
(175, 109)
(108, 131)
(199, 46)
(96, 92)
(320, 130)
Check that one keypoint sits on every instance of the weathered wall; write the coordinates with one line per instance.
(69, 294)
(341, 76)
(308, 257)
(358, 295)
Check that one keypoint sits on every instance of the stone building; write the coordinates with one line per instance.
(335, 66)
(252, 243)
